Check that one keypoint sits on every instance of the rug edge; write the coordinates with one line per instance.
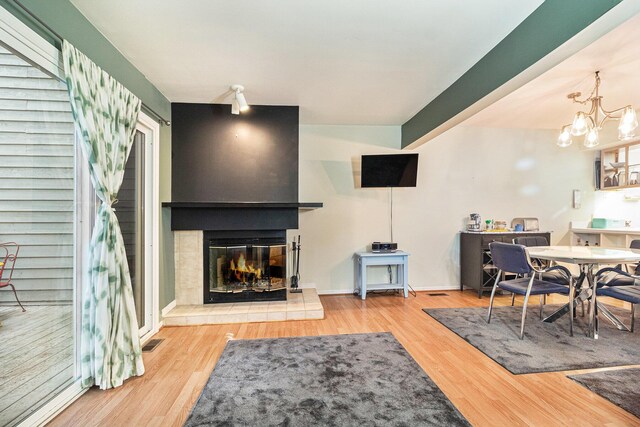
(581, 384)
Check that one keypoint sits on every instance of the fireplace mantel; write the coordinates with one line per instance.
(250, 205)
(236, 215)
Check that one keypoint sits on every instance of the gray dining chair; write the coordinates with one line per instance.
(635, 244)
(512, 258)
(621, 285)
(560, 276)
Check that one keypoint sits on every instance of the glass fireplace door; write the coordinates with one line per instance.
(239, 268)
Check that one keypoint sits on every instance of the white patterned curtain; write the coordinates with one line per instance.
(105, 115)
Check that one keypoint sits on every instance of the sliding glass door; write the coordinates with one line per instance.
(38, 238)
(132, 209)
(47, 212)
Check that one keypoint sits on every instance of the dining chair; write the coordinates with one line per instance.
(513, 258)
(8, 256)
(618, 284)
(635, 244)
(560, 276)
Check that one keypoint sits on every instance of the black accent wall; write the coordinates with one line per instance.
(221, 157)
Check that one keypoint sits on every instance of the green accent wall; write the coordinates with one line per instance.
(167, 262)
(549, 26)
(63, 18)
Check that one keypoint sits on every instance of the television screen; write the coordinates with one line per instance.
(389, 170)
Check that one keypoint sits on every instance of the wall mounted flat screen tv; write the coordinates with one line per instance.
(389, 170)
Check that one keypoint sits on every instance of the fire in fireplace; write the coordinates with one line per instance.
(241, 267)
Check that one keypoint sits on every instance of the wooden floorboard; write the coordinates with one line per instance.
(36, 358)
(485, 393)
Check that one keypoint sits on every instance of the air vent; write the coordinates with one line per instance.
(151, 345)
(438, 294)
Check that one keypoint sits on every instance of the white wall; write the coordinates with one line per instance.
(499, 173)
(612, 204)
(351, 217)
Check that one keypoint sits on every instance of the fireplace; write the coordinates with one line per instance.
(241, 266)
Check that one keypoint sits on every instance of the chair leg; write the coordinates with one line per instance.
(541, 305)
(582, 308)
(16, 295)
(493, 293)
(571, 307)
(524, 307)
(524, 315)
(633, 316)
(513, 299)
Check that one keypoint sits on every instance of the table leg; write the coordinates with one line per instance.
(593, 306)
(612, 317)
(582, 296)
(558, 313)
(405, 276)
(357, 285)
(363, 281)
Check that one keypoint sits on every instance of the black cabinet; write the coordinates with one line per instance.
(476, 267)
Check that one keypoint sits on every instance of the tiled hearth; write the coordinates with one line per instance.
(190, 309)
(303, 306)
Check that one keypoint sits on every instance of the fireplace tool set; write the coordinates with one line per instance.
(295, 279)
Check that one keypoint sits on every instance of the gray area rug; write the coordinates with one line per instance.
(620, 387)
(546, 347)
(341, 380)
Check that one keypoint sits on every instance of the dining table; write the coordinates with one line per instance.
(589, 259)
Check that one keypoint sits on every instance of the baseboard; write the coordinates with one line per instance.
(438, 288)
(307, 285)
(415, 288)
(335, 291)
(168, 308)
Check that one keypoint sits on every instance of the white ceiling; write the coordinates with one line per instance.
(542, 103)
(343, 62)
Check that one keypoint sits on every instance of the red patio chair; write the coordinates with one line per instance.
(9, 254)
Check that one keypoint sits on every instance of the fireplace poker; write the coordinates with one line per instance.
(295, 279)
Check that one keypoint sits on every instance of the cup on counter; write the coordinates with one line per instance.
(518, 227)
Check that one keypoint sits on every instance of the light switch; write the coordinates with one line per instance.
(577, 199)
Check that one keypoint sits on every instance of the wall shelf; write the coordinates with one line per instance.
(606, 237)
(620, 167)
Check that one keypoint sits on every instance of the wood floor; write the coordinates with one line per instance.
(36, 358)
(485, 393)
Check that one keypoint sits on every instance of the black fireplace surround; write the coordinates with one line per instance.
(235, 177)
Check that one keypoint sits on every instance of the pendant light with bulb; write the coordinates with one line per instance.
(590, 123)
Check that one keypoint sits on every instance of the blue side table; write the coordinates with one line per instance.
(364, 259)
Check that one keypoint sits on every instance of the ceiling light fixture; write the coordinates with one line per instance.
(564, 140)
(239, 102)
(590, 123)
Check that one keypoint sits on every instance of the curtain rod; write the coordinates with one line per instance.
(40, 21)
(26, 10)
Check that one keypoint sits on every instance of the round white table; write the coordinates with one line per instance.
(589, 258)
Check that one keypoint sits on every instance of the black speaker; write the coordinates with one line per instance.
(384, 247)
(596, 173)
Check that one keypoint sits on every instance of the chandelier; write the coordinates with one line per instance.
(589, 124)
